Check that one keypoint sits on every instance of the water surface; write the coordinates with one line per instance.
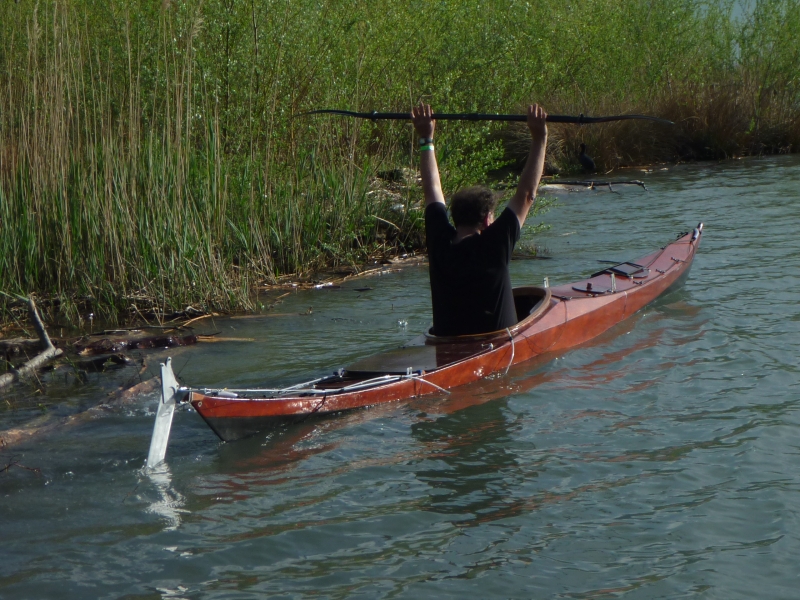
(658, 461)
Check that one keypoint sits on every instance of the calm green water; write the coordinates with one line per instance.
(660, 461)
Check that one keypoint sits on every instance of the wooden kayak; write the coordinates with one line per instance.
(552, 319)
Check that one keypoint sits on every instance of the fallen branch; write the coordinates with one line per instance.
(14, 463)
(594, 184)
(48, 353)
(114, 346)
(136, 329)
(198, 318)
(206, 339)
(393, 267)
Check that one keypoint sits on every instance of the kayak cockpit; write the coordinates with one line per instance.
(431, 352)
(530, 301)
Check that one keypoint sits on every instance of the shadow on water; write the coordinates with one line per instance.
(468, 462)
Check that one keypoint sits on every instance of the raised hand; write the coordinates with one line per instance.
(424, 123)
(537, 122)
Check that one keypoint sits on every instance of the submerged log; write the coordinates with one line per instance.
(16, 346)
(49, 423)
(100, 363)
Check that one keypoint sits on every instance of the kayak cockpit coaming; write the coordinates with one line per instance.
(530, 302)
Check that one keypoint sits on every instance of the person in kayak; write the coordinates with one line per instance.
(470, 284)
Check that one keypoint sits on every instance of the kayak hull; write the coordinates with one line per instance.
(567, 316)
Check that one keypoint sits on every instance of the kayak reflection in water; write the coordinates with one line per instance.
(470, 283)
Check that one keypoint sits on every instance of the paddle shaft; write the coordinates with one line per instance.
(579, 119)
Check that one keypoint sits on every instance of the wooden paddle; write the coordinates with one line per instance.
(580, 119)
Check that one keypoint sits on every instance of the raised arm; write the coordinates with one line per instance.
(525, 196)
(424, 124)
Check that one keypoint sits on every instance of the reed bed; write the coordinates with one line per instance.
(154, 156)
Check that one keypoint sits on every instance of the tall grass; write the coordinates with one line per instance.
(153, 154)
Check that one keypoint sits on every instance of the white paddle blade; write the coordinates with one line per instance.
(166, 408)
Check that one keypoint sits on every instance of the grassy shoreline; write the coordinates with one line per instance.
(152, 155)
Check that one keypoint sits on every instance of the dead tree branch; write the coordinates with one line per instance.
(49, 351)
(14, 463)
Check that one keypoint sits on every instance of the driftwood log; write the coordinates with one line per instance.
(114, 346)
(98, 364)
(48, 350)
(594, 184)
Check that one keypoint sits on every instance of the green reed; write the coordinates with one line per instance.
(152, 155)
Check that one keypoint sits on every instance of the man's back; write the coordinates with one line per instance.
(470, 284)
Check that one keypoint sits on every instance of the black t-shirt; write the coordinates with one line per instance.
(470, 284)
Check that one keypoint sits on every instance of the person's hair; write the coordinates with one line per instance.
(472, 205)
